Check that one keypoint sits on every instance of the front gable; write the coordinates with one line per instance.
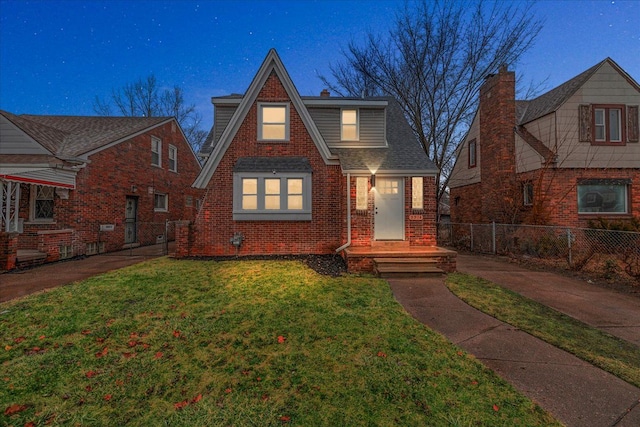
(17, 141)
(271, 84)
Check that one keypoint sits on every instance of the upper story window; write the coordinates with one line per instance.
(173, 158)
(608, 123)
(273, 122)
(41, 203)
(349, 128)
(603, 196)
(156, 151)
(472, 153)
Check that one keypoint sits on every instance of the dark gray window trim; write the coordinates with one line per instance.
(262, 214)
(287, 118)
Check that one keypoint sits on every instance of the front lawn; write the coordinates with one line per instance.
(258, 343)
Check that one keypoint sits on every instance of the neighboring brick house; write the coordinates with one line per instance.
(83, 185)
(564, 158)
(287, 174)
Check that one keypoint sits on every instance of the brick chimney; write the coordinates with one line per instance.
(497, 146)
(325, 93)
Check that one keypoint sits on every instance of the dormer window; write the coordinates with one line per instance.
(273, 122)
(349, 129)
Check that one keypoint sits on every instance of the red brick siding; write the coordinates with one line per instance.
(420, 226)
(556, 198)
(466, 204)
(102, 187)
(8, 249)
(215, 225)
(497, 151)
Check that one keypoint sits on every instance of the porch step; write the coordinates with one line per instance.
(407, 267)
(29, 258)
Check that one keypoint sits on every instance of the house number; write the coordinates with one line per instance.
(415, 217)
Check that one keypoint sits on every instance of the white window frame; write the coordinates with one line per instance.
(173, 158)
(261, 213)
(473, 154)
(156, 206)
(606, 126)
(362, 193)
(355, 126)
(261, 123)
(156, 150)
(590, 194)
(34, 199)
(417, 193)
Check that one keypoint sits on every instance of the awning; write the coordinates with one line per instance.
(51, 177)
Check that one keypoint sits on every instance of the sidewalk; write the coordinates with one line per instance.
(20, 283)
(575, 392)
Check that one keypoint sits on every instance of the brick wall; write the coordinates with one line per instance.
(556, 198)
(214, 225)
(497, 153)
(8, 249)
(102, 188)
(466, 204)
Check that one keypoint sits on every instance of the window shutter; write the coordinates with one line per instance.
(633, 128)
(584, 125)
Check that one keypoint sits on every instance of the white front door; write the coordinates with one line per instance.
(389, 209)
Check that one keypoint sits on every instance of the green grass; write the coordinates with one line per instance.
(610, 353)
(253, 343)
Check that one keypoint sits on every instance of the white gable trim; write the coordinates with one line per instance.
(271, 63)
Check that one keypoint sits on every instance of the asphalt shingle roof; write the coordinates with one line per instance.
(404, 152)
(72, 136)
(550, 101)
(272, 164)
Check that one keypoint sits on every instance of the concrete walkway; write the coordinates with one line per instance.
(575, 392)
(20, 283)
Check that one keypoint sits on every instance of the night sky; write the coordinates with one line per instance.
(56, 56)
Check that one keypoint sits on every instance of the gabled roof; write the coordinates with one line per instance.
(74, 136)
(271, 63)
(549, 102)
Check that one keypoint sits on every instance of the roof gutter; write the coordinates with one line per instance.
(346, 245)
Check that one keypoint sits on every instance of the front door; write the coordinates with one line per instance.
(130, 220)
(389, 200)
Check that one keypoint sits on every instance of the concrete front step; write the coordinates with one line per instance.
(29, 258)
(407, 267)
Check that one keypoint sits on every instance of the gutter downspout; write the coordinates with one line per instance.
(346, 245)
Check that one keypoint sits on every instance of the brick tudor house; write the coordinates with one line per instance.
(564, 158)
(84, 185)
(287, 174)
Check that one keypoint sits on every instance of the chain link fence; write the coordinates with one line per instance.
(604, 251)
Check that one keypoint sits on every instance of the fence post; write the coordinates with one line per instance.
(569, 245)
(493, 235)
(471, 234)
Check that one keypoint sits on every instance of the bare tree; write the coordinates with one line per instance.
(433, 62)
(144, 98)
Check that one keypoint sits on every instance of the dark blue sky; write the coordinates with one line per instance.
(56, 56)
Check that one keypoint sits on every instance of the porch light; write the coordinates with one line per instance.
(373, 181)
